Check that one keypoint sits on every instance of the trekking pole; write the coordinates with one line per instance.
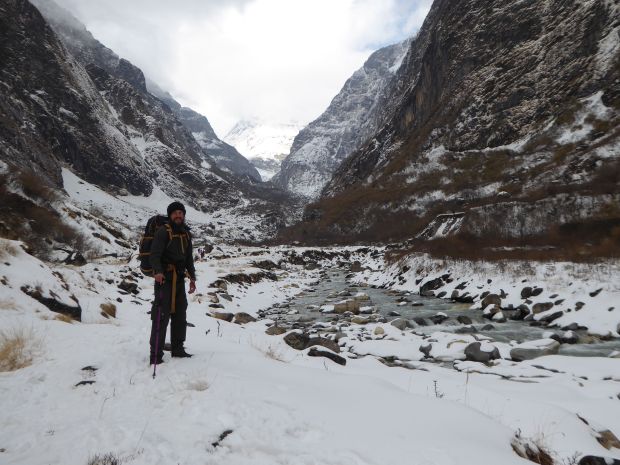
(157, 328)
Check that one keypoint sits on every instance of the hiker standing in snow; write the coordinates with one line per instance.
(171, 257)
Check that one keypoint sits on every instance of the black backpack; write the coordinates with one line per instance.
(152, 225)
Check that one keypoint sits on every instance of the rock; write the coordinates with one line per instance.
(324, 342)
(401, 323)
(393, 313)
(594, 460)
(314, 352)
(534, 349)
(499, 317)
(465, 330)
(297, 340)
(426, 349)
(551, 317)
(537, 291)
(542, 307)
(490, 311)
(463, 319)
(595, 293)
(360, 320)
(428, 287)
(420, 321)
(526, 292)
(361, 297)
(275, 330)
(491, 299)
(571, 327)
(439, 318)
(128, 286)
(53, 304)
(348, 305)
(487, 327)
(579, 305)
(222, 316)
(518, 313)
(226, 297)
(379, 331)
(481, 352)
(417, 304)
(75, 258)
(356, 266)
(462, 298)
(243, 318)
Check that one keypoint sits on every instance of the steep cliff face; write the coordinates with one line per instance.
(89, 51)
(97, 120)
(52, 114)
(353, 116)
(496, 107)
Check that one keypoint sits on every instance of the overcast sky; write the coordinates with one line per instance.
(278, 60)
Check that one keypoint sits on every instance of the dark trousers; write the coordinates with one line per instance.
(162, 307)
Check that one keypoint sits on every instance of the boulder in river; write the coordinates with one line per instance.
(551, 316)
(420, 321)
(491, 299)
(401, 324)
(534, 349)
(481, 352)
(439, 318)
(428, 287)
(464, 319)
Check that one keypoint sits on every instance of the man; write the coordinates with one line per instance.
(171, 258)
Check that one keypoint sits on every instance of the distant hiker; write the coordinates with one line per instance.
(171, 257)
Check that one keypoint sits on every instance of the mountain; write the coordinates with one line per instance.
(352, 117)
(69, 103)
(505, 111)
(265, 144)
(88, 50)
(225, 155)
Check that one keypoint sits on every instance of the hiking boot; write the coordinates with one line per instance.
(156, 360)
(180, 353)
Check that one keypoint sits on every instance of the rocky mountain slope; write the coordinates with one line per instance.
(88, 50)
(352, 117)
(506, 111)
(265, 144)
(225, 155)
(97, 119)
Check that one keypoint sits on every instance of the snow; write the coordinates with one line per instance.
(256, 138)
(282, 405)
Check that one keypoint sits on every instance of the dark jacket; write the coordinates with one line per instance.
(177, 252)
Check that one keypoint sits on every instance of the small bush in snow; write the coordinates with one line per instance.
(105, 459)
(108, 310)
(17, 347)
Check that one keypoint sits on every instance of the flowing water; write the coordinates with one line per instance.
(386, 302)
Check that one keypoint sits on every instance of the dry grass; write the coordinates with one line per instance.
(271, 351)
(17, 348)
(64, 318)
(7, 249)
(105, 459)
(108, 310)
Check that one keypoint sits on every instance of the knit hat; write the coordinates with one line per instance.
(174, 206)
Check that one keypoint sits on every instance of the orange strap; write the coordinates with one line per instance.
(173, 303)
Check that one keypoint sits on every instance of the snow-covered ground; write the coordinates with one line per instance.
(279, 405)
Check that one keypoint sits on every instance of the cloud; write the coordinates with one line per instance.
(278, 60)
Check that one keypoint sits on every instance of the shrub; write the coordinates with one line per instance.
(17, 347)
(105, 459)
(108, 309)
